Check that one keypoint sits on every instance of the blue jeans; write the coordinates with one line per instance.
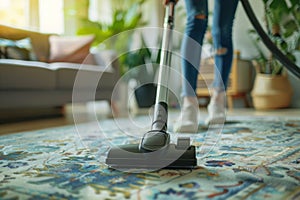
(196, 25)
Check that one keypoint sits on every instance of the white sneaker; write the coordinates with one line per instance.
(216, 109)
(188, 119)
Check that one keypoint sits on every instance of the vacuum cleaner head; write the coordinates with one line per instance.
(180, 156)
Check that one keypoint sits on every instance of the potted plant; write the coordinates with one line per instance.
(141, 65)
(124, 18)
(119, 35)
(272, 88)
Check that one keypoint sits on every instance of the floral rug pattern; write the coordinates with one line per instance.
(253, 159)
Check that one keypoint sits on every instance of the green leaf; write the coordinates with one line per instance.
(283, 45)
(297, 13)
(252, 31)
(291, 57)
(288, 33)
(298, 44)
(290, 25)
(279, 5)
(265, 1)
(294, 3)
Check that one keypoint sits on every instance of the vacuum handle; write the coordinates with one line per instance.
(169, 16)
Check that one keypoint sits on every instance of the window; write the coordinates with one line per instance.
(14, 12)
(56, 16)
(38, 15)
(51, 16)
(100, 10)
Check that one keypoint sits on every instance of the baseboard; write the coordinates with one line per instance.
(24, 114)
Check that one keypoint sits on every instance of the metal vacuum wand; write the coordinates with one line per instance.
(165, 61)
(158, 137)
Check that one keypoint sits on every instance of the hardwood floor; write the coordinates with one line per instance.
(84, 114)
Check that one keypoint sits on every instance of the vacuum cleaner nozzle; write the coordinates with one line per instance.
(180, 156)
(154, 150)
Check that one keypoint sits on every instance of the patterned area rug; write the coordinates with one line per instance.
(254, 158)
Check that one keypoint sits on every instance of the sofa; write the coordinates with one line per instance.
(41, 84)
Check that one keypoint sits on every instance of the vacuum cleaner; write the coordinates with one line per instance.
(155, 150)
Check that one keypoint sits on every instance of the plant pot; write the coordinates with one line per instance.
(145, 95)
(271, 92)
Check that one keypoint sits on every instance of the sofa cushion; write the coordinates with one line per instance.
(72, 49)
(20, 74)
(17, 49)
(86, 76)
(40, 41)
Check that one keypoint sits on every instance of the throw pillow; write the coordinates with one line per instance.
(72, 49)
(16, 49)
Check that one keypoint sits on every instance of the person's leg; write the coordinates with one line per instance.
(223, 17)
(196, 25)
(197, 14)
(224, 13)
